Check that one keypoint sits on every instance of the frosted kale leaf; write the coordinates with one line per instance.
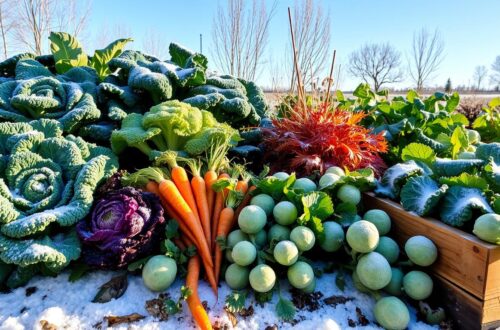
(395, 177)
(460, 202)
(421, 194)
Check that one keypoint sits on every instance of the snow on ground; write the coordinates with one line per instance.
(68, 306)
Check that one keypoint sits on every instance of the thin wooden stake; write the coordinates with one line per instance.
(296, 64)
(330, 77)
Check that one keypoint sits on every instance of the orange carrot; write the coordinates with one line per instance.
(241, 186)
(210, 178)
(200, 195)
(199, 313)
(244, 202)
(218, 205)
(225, 224)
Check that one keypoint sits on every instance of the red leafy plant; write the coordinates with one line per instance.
(313, 138)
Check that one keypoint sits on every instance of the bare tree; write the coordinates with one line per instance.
(7, 24)
(427, 53)
(154, 43)
(37, 18)
(239, 35)
(376, 64)
(480, 73)
(495, 67)
(311, 26)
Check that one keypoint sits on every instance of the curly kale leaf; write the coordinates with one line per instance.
(460, 202)
(395, 177)
(454, 167)
(47, 182)
(421, 194)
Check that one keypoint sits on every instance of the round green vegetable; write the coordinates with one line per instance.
(307, 185)
(349, 194)
(357, 283)
(333, 236)
(285, 213)
(487, 228)
(252, 219)
(303, 237)
(264, 201)
(396, 284)
(286, 253)
(474, 136)
(300, 275)
(374, 271)
(391, 313)
(421, 250)
(262, 278)
(159, 273)
(237, 276)
(362, 236)
(259, 239)
(328, 179)
(380, 219)
(418, 285)
(281, 175)
(311, 287)
(235, 237)
(335, 170)
(388, 248)
(278, 233)
(244, 253)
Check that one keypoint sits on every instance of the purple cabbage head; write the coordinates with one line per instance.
(123, 226)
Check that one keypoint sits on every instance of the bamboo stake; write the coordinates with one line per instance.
(330, 77)
(296, 64)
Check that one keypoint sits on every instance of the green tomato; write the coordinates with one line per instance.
(474, 136)
(388, 248)
(237, 276)
(421, 250)
(307, 185)
(244, 253)
(311, 287)
(380, 219)
(391, 313)
(278, 233)
(252, 219)
(328, 179)
(286, 253)
(159, 273)
(333, 236)
(357, 283)
(285, 213)
(349, 194)
(335, 170)
(396, 284)
(418, 285)
(229, 257)
(374, 271)
(259, 239)
(362, 236)
(262, 278)
(235, 237)
(303, 237)
(264, 201)
(282, 176)
(487, 228)
(300, 275)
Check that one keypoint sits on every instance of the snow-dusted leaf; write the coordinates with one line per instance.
(453, 167)
(235, 301)
(421, 194)
(113, 289)
(459, 203)
(285, 309)
(492, 173)
(395, 177)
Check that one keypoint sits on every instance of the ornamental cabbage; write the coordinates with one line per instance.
(395, 177)
(34, 92)
(421, 194)
(47, 182)
(124, 225)
(459, 204)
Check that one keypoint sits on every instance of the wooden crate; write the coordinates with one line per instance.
(467, 268)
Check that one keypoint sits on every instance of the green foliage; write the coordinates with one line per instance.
(395, 177)
(421, 195)
(102, 56)
(488, 124)
(46, 182)
(235, 301)
(67, 50)
(459, 203)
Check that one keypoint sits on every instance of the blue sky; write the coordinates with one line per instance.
(470, 28)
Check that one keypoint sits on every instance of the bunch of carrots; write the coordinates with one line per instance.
(205, 207)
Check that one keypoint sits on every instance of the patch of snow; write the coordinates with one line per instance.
(68, 306)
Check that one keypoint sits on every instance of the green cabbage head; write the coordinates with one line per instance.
(46, 186)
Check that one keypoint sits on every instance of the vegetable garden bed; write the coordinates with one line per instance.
(467, 270)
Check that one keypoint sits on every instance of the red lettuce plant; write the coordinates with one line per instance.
(314, 138)
(124, 225)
